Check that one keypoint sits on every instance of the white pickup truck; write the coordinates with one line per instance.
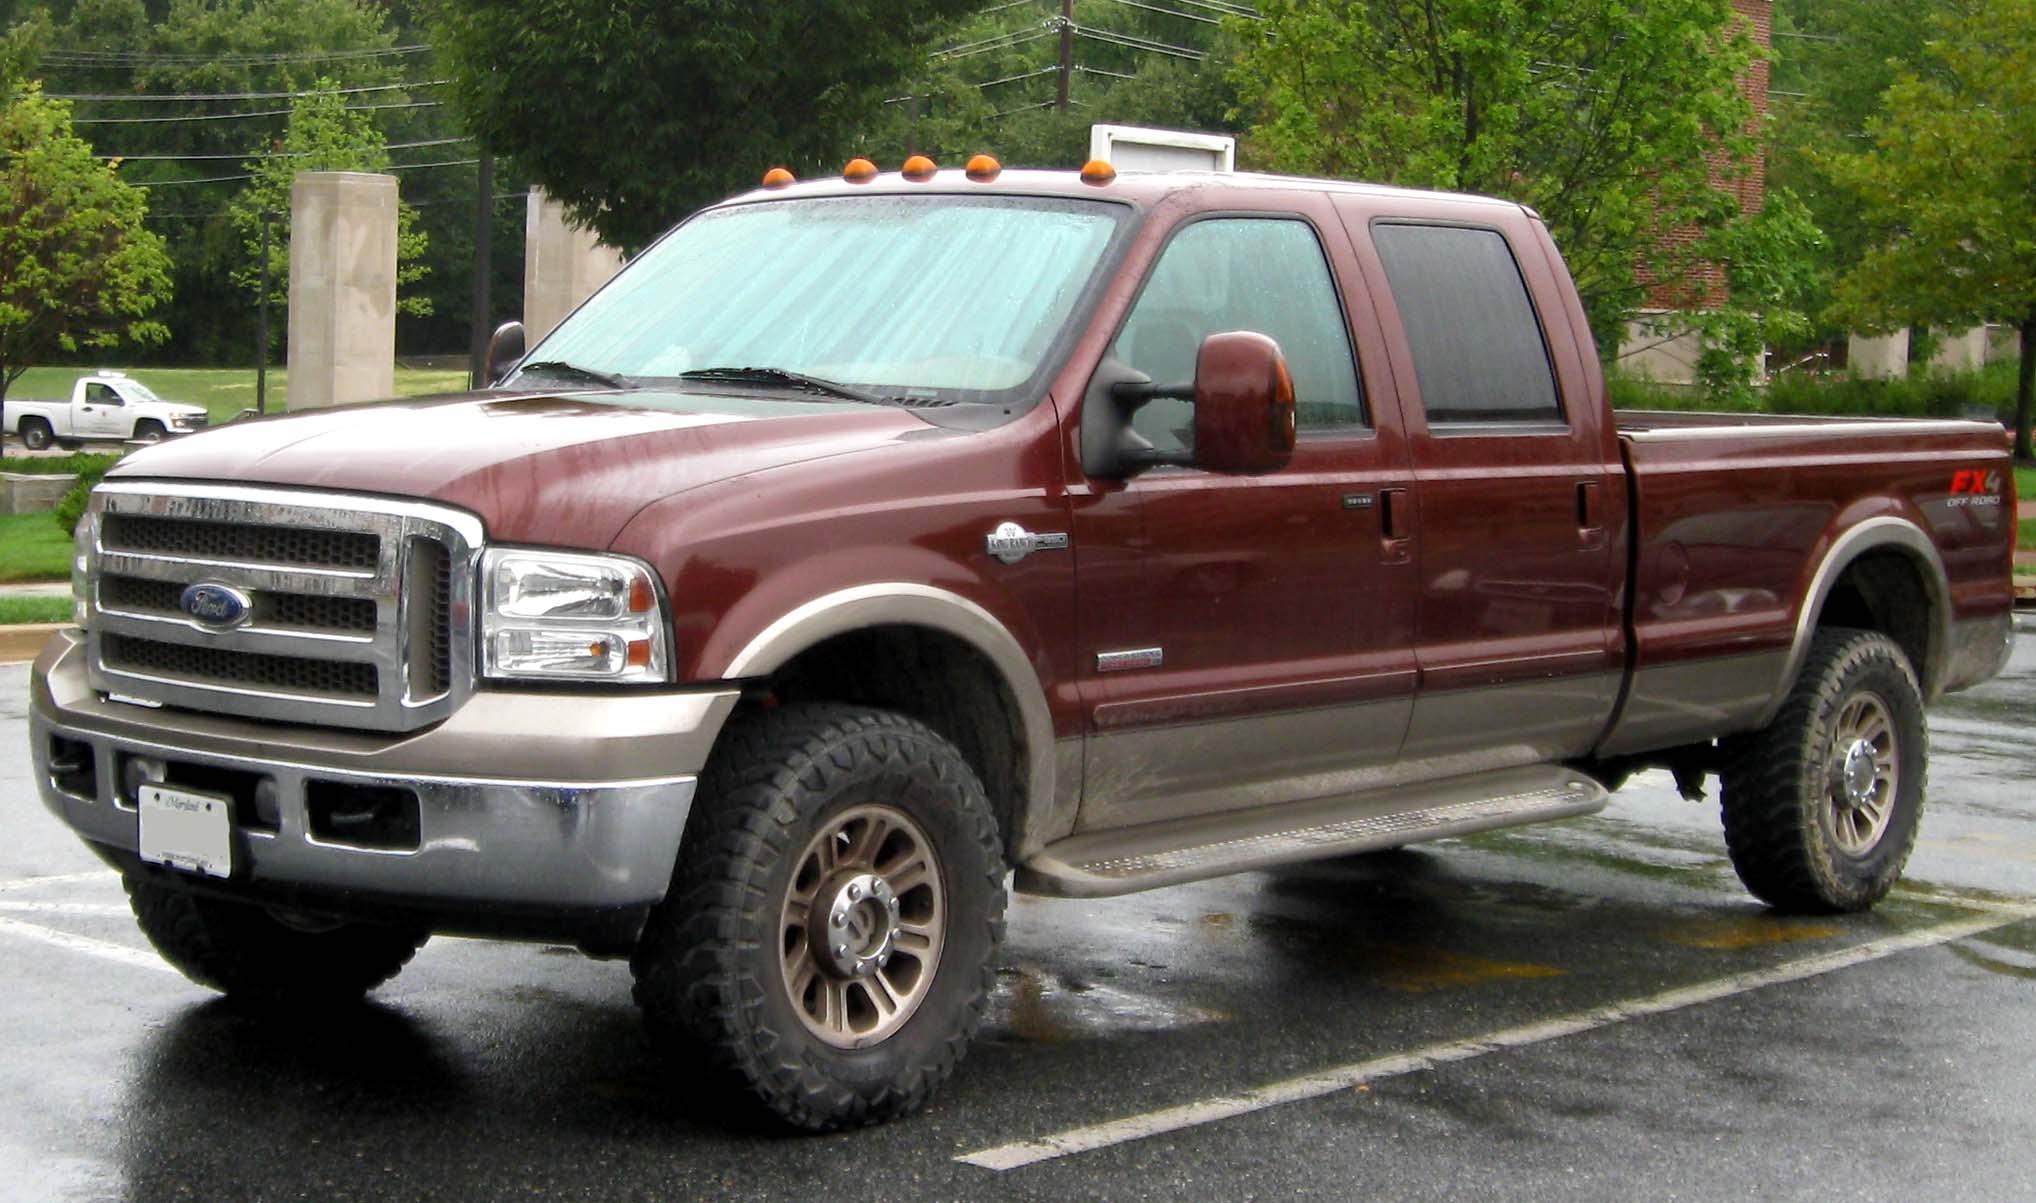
(103, 406)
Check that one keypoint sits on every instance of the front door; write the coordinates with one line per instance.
(1245, 640)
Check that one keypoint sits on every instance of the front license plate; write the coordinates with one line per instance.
(186, 830)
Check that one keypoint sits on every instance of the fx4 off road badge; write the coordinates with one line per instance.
(1011, 542)
(1974, 487)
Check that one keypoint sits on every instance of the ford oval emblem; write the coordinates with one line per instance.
(219, 607)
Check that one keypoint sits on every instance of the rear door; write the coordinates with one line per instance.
(1519, 493)
(1246, 640)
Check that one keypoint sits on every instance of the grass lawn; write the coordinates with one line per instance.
(33, 548)
(2025, 534)
(224, 392)
(2025, 484)
(34, 609)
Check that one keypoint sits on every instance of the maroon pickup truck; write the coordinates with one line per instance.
(869, 539)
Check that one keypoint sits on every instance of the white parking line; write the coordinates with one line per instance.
(57, 879)
(105, 950)
(1346, 1077)
(19, 907)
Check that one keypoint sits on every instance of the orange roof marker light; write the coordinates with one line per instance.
(982, 169)
(859, 171)
(1096, 171)
(778, 177)
(919, 169)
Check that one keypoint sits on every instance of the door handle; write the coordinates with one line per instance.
(1396, 524)
(1590, 523)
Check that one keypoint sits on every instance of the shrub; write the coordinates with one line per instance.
(71, 506)
(58, 465)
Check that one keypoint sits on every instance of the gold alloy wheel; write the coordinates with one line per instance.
(1864, 767)
(862, 926)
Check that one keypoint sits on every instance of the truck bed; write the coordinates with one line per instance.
(1742, 525)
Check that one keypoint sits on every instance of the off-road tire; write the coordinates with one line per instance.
(711, 974)
(255, 959)
(1782, 817)
(35, 433)
(148, 430)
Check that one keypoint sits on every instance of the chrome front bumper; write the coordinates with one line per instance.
(535, 810)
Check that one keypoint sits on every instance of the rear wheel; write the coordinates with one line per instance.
(828, 941)
(35, 433)
(148, 430)
(1821, 807)
(260, 959)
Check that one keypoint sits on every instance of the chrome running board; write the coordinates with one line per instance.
(1124, 861)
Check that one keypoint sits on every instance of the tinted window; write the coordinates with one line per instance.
(1242, 274)
(1477, 347)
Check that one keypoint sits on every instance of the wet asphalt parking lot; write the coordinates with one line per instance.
(1586, 1010)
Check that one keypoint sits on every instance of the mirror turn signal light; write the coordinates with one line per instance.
(982, 169)
(859, 171)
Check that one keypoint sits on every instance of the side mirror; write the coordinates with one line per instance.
(1244, 404)
(1244, 411)
(505, 347)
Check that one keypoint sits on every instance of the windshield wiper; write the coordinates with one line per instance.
(779, 376)
(559, 367)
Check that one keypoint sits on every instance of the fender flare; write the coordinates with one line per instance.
(901, 603)
(1874, 534)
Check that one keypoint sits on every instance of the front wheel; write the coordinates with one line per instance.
(829, 938)
(1822, 805)
(35, 433)
(261, 960)
(148, 430)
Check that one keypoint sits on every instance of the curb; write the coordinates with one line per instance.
(22, 643)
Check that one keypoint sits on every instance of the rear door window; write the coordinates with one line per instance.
(1477, 345)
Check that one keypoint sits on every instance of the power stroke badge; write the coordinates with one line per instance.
(1011, 542)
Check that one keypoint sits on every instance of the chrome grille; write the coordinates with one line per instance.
(295, 674)
(239, 542)
(300, 611)
(359, 612)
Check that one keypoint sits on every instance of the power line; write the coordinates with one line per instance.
(281, 154)
(351, 108)
(1171, 12)
(227, 179)
(1138, 43)
(145, 58)
(130, 98)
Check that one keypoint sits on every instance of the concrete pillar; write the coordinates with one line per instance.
(1879, 358)
(1966, 352)
(342, 288)
(562, 265)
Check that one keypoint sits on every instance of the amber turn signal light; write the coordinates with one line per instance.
(778, 177)
(982, 169)
(859, 171)
(919, 169)
(1096, 171)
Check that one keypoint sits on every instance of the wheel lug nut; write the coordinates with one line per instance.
(841, 950)
(855, 893)
(894, 906)
(838, 919)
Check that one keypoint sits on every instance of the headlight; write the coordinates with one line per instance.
(81, 566)
(554, 615)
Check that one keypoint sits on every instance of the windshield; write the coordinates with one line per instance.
(135, 390)
(937, 295)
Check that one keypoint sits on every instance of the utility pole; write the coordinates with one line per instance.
(1067, 51)
(262, 323)
(477, 322)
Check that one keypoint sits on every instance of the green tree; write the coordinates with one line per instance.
(635, 114)
(323, 135)
(1948, 190)
(77, 268)
(1620, 121)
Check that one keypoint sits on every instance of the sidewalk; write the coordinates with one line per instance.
(37, 589)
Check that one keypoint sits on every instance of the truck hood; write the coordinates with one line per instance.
(558, 469)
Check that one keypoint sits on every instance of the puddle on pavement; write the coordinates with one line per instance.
(1039, 1006)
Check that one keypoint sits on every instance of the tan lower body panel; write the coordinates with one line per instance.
(1127, 860)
